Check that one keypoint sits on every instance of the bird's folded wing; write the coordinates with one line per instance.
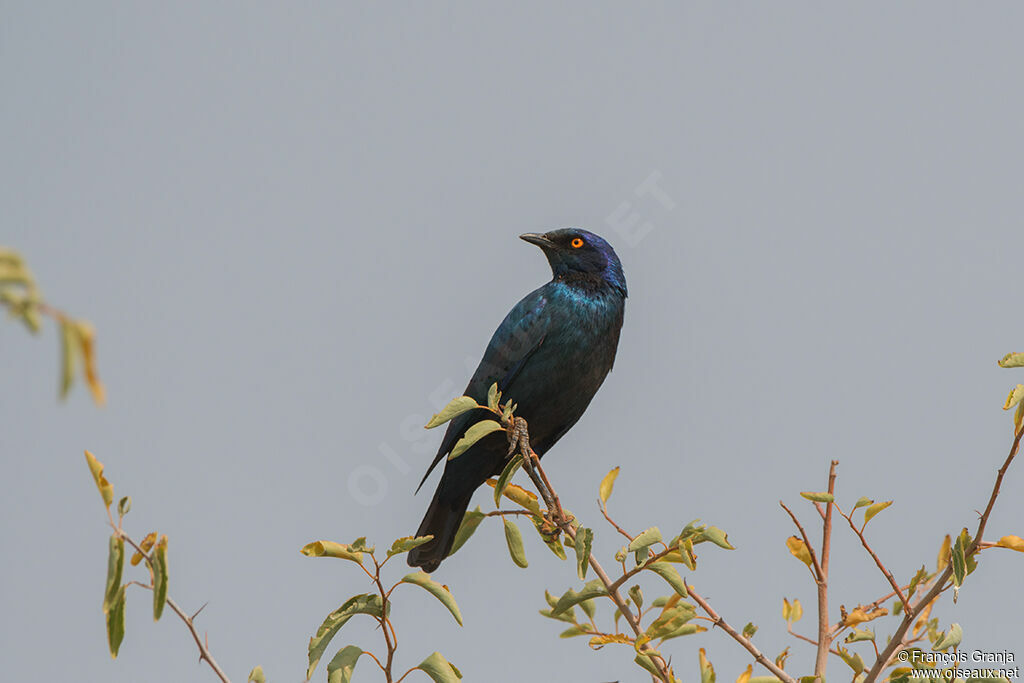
(517, 338)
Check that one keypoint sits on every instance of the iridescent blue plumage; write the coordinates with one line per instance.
(550, 355)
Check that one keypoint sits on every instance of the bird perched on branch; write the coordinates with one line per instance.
(550, 355)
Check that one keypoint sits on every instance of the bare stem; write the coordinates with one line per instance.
(824, 635)
(738, 637)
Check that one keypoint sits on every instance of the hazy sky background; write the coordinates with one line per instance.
(292, 224)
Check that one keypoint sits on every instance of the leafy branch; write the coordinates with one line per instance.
(154, 553)
(376, 605)
(20, 295)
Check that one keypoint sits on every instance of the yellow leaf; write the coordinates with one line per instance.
(707, 671)
(597, 642)
(605, 490)
(519, 495)
(799, 549)
(922, 620)
(1015, 397)
(796, 611)
(875, 509)
(1018, 417)
(1012, 542)
(943, 559)
(859, 616)
(745, 676)
(86, 338)
(105, 487)
(785, 609)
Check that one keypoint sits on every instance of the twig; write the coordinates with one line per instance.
(738, 637)
(604, 511)
(204, 649)
(908, 618)
(878, 561)
(818, 575)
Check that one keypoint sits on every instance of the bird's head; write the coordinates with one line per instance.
(572, 251)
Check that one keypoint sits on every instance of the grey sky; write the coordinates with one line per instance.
(292, 224)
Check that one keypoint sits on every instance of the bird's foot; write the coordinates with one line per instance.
(519, 438)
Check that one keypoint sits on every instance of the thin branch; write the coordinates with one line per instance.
(908, 618)
(878, 561)
(738, 637)
(818, 575)
(604, 511)
(204, 650)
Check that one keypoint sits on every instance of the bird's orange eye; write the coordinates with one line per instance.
(577, 243)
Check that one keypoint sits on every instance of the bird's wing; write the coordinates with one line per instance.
(518, 336)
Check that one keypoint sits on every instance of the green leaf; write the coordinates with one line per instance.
(359, 604)
(256, 675)
(115, 622)
(716, 536)
(106, 489)
(605, 490)
(570, 598)
(124, 505)
(439, 669)
(576, 630)
(644, 540)
(854, 661)
(1012, 360)
(637, 595)
(875, 509)
(331, 549)
(423, 580)
(645, 663)
(506, 476)
(749, 630)
(583, 545)
(568, 616)
(340, 668)
(493, 396)
(857, 635)
(666, 571)
(863, 501)
(921, 575)
(818, 497)
(407, 543)
(963, 564)
(950, 638)
(159, 565)
(470, 521)
(457, 406)
(671, 620)
(514, 540)
(115, 567)
(359, 546)
(70, 346)
(588, 608)
(476, 432)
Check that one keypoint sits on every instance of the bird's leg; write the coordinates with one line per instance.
(519, 439)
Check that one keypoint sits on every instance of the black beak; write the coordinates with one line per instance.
(536, 238)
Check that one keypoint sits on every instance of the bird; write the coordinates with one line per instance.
(549, 355)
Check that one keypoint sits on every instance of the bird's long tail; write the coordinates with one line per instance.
(443, 518)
